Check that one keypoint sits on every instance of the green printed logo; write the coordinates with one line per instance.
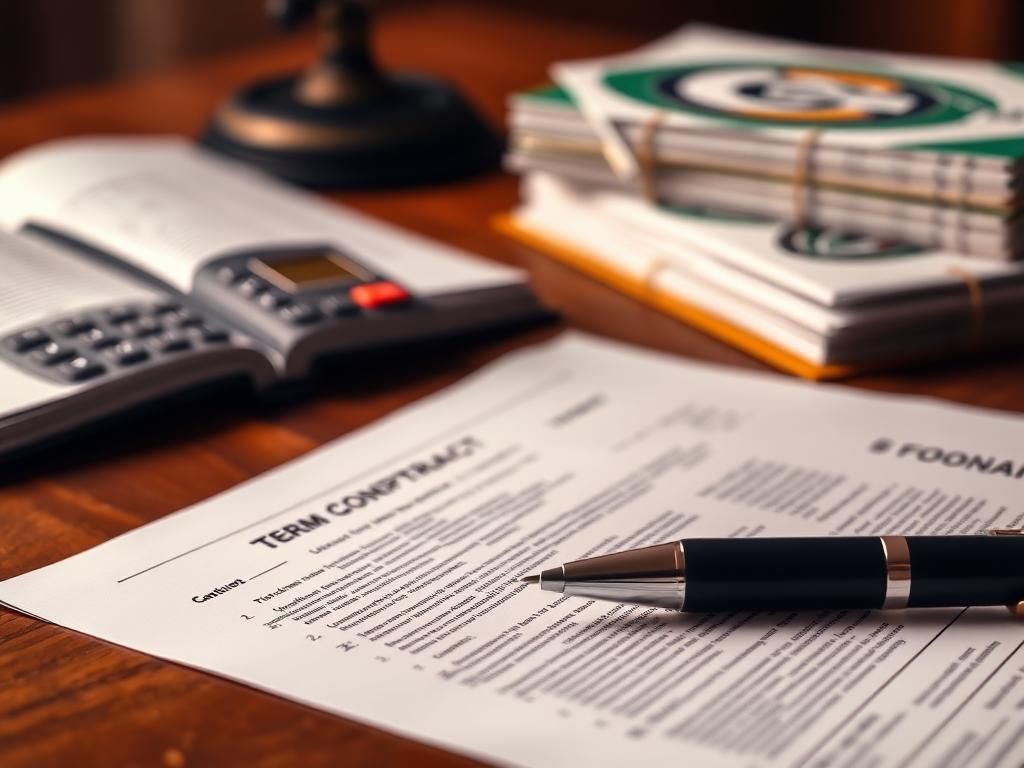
(705, 213)
(832, 245)
(799, 95)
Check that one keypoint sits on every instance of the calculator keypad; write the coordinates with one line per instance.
(87, 346)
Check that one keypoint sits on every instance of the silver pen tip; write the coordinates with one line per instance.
(531, 579)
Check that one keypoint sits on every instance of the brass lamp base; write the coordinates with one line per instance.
(415, 130)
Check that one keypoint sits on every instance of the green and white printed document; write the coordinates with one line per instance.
(378, 577)
(922, 148)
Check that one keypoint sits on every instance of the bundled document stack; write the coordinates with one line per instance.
(826, 210)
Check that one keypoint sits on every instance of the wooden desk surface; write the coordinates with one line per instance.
(66, 699)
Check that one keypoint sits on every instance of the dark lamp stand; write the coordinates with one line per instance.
(344, 124)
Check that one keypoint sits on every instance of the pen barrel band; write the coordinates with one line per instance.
(896, 552)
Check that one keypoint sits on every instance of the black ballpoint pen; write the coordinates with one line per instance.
(831, 572)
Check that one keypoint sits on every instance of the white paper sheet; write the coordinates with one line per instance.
(378, 577)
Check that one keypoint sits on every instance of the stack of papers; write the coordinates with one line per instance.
(884, 270)
(901, 147)
(817, 303)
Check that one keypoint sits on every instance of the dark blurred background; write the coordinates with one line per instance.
(46, 44)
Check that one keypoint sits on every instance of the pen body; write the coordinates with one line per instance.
(765, 574)
(852, 572)
(966, 570)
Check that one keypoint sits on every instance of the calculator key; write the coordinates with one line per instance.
(373, 295)
(176, 345)
(118, 315)
(27, 339)
(299, 313)
(52, 353)
(147, 326)
(338, 305)
(229, 275)
(184, 318)
(74, 326)
(127, 353)
(251, 287)
(212, 335)
(273, 300)
(166, 307)
(100, 339)
(170, 341)
(79, 368)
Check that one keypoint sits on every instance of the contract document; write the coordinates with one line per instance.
(378, 577)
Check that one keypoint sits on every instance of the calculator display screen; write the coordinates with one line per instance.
(308, 269)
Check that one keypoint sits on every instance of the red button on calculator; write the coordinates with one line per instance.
(372, 295)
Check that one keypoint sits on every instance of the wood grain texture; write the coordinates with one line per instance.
(66, 699)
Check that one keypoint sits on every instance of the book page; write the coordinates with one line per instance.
(41, 282)
(168, 207)
(378, 577)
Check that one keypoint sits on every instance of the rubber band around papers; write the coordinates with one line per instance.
(960, 205)
(975, 297)
(646, 158)
(648, 280)
(803, 180)
(803, 175)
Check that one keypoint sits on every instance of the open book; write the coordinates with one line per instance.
(136, 268)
